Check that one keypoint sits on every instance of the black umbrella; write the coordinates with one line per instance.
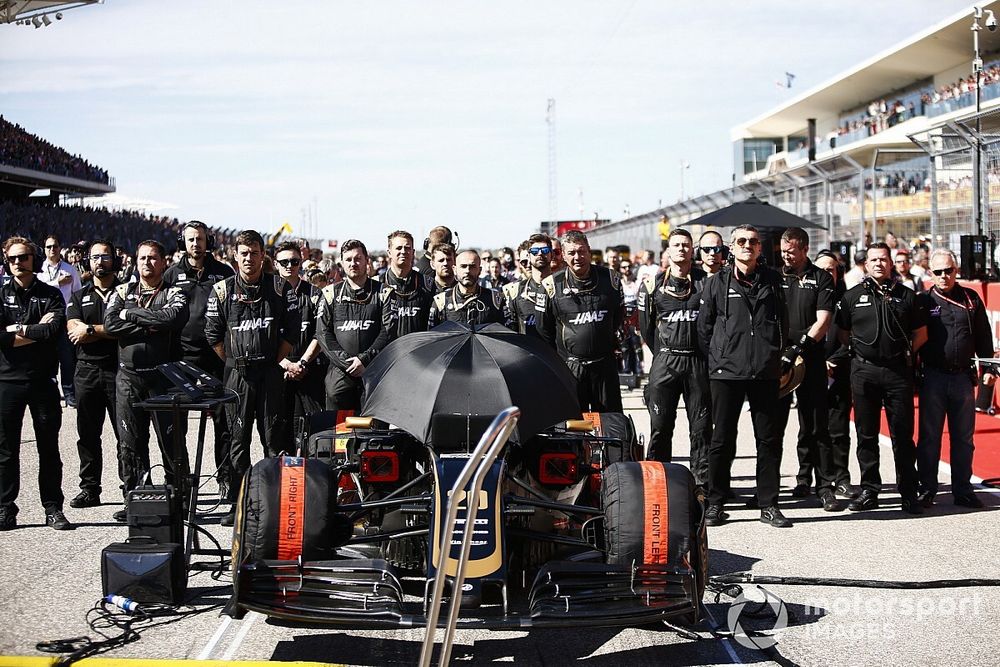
(754, 212)
(481, 371)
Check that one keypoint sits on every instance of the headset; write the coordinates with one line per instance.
(196, 224)
(36, 261)
(447, 239)
(116, 259)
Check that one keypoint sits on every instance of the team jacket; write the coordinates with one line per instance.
(308, 299)
(581, 318)
(519, 301)
(482, 307)
(88, 306)
(150, 333)
(407, 302)
(351, 323)
(668, 311)
(742, 326)
(27, 306)
(252, 320)
(198, 287)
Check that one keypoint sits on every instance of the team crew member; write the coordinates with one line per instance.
(146, 317)
(838, 392)
(96, 368)
(520, 297)
(579, 312)
(809, 296)
(668, 312)
(435, 237)
(885, 326)
(443, 265)
(31, 319)
(252, 322)
(958, 329)
(404, 293)
(195, 274)
(742, 324)
(713, 252)
(468, 301)
(62, 275)
(351, 329)
(306, 393)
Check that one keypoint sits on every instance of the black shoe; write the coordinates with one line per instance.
(866, 500)
(8, 518)
(773, 517)
(846, 490)
(228, 519)
(57, 520)
(85, 499)
(830, 502)
(927, 499)
(969, 500)
(121, 516)
(800, 491)
(912, 506)
(714, 516)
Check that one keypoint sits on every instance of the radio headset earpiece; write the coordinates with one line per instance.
(196, 224)
(36, 260)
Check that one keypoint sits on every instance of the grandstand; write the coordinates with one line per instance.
(885, 146)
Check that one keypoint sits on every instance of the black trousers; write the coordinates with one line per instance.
(839, 403)
(261, 393)
(67, 364)
(302, 398)
(41, 397)
(727, 403)
(343, 392)
(875, 387)
(813, 446)
(597, 385)
(209, 361)
(133, 430)
(670, 377)
(95, 397)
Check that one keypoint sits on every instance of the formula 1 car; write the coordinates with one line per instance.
(568, 526)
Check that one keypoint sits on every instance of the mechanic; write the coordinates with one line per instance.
(713, 252)
(885, 327)
(352, 329)
(520, 297)
(62, 275)
(252, 322)
(305, 394)
(146, 317)
(443, 264)
(467, 302)
(195, 273)
(958, 329)
(668, 312)
(96, 367)
(742, 324)
(579, 312)
(31, 316)
(435, 237)
(809, 297)
(838, 392)
(404, 292)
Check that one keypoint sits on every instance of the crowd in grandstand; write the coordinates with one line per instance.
(20, 148)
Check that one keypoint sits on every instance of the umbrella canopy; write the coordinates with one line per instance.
(754, 212)
(480, 371)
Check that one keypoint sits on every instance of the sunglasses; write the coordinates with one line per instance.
(713, 249)
(291, 261)
(943, 272)
(902, 260)
(542, 250)
(522, 262)
(746, 240)
(51, 247)
(14, 259)
(100, 258)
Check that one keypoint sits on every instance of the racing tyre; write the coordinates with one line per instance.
(620, 426)
(652, 516)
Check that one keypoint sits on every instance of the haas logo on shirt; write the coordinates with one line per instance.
(681, 316)
(356, 325)
(407, 311)
(589, 317)
(253, 324)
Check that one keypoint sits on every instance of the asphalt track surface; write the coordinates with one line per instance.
(50, 580)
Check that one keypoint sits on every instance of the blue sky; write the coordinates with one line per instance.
(387, 115)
